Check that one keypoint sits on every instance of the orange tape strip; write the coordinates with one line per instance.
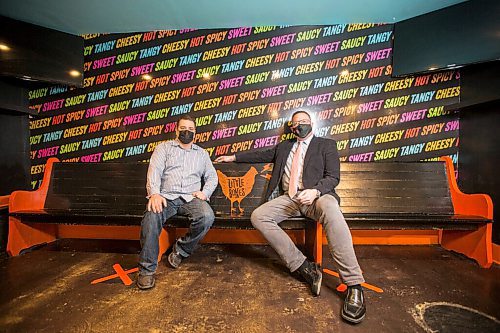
(110, 277)
(342, 287)
(123, 276)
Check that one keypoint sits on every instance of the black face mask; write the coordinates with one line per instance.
(186, 136)
(302, 130)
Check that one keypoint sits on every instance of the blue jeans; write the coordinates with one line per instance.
(199, 213)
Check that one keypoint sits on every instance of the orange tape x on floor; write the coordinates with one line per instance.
(342, 287)
(123, 275)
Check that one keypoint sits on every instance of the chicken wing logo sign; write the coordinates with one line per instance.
(235, 189)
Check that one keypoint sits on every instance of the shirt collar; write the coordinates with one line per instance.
(176, 143)
(307, 141)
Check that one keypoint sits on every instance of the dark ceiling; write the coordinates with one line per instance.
(101, 16)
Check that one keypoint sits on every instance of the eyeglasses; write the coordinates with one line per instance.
(296, 123)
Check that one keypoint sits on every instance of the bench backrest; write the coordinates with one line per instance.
(118, 188)
(395, 187)
(370, 188)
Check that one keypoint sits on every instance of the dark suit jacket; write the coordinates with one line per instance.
(321, 165)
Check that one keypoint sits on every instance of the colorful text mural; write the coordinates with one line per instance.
(242, 85)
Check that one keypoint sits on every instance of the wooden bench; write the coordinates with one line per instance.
(107, 201)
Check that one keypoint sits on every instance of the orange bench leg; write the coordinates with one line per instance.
(314, 242)
(474, 244)
(23, 236)
(166, 240)
(318, 244)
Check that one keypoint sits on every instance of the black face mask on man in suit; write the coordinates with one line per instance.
(302, 130)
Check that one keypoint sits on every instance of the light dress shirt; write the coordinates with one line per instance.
(177, 172)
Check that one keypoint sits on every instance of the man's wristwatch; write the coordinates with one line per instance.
(318, 193)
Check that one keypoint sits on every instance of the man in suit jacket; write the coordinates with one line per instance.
(307, 170)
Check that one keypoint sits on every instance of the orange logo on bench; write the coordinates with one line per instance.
(236, 189)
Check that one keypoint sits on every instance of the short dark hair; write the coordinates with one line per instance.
(301, 111)
(186, 117)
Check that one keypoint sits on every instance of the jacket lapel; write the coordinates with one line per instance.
(310, 152)
(287, 147)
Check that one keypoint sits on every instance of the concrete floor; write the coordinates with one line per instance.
(236, 288)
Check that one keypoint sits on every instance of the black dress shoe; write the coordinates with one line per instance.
(311, 272)
(354, 308)
(145, 281)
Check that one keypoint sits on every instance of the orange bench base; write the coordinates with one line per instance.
(474, 244)
(23, 236)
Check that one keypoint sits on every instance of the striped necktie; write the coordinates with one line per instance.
(294, 172)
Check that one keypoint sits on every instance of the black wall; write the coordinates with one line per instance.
(14, 160)
(479, 154)
(14, 145)
(458, 35)
(13, 95)
(480, 84)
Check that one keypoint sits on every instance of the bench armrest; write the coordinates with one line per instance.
(467, 204)
(4, 201)
(32, 200)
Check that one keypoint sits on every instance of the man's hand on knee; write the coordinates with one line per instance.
(156, 203)
(306, 197)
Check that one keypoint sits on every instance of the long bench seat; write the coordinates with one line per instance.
(107, 200)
